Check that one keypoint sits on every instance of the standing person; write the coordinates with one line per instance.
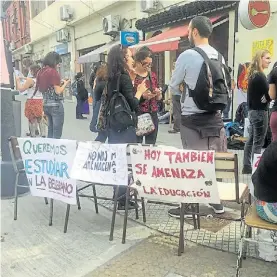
(34, 105)
(148, 102)
(49, 84)
(201, 129)
(257, 101)
(176, 106)
(273, 96)
(99, 85)
(119, 63)
(82, 95)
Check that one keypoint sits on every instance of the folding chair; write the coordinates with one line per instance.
(251, 220)
(18, 169)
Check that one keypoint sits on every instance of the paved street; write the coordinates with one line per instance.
(32, 248)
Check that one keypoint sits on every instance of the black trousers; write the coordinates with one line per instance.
(152, 137)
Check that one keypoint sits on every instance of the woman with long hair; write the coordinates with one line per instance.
(257, 100)
(119, 64)
(50, 85)
(34, 105)
(150, 98)
(273, 96)
(98, 88)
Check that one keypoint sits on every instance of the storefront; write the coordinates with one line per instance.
(172, 26)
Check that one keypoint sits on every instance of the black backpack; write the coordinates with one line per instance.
(213, 85)
(120, 115)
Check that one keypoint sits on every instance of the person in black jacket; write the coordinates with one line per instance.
(82, 95)
(265, 184)
(98, 88)
(119, 65)
(257, 100)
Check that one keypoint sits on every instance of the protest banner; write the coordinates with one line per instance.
(47, 164)
(256, 161)
(172, 175)
(101, 163)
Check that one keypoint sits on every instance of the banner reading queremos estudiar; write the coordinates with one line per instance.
(174, 175)
(47, 164)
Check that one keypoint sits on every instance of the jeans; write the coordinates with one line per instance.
(227, 108)
(127, 136)
(257, 132)
(152, 137)
(79, 107)
(176, 112)
(55, 116)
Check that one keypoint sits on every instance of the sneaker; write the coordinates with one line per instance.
(173, 131)
(218, 208)
(247, 169)
(176, 213)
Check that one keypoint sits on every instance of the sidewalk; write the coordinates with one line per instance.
(31, 248)
(156, 257)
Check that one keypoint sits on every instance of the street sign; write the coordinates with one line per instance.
(254, 14)
(129, 38)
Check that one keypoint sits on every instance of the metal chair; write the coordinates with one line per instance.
(18, 169)
(250, 220)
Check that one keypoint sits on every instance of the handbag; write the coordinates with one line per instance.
(145, 125)
(101, 124)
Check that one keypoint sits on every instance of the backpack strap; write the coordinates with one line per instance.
(206, 61)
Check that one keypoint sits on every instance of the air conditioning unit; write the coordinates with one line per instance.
(111, 25)
(12, 46)
(148, 6)
(63, 35)
(66, 13)
(28, 49)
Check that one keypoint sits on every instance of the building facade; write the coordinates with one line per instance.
(16, 26)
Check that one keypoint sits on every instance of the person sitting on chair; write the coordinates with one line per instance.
(265, 184)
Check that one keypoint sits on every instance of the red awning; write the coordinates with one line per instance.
(168, 40)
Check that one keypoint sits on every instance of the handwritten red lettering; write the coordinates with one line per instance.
(177, 173)
(141, 169)
(152, 154)
(192, 156)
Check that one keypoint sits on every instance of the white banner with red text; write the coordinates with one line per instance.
(173, 175)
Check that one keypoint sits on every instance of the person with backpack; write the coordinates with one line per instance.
(149, 101)
(81, 95)
(273, 96)
(122, 103)
(205, 76)
(258, 101)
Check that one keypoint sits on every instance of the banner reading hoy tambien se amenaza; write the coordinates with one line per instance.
(173, 175)
(47, 164)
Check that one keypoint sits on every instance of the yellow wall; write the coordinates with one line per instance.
(245, 38)
(244, 42)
